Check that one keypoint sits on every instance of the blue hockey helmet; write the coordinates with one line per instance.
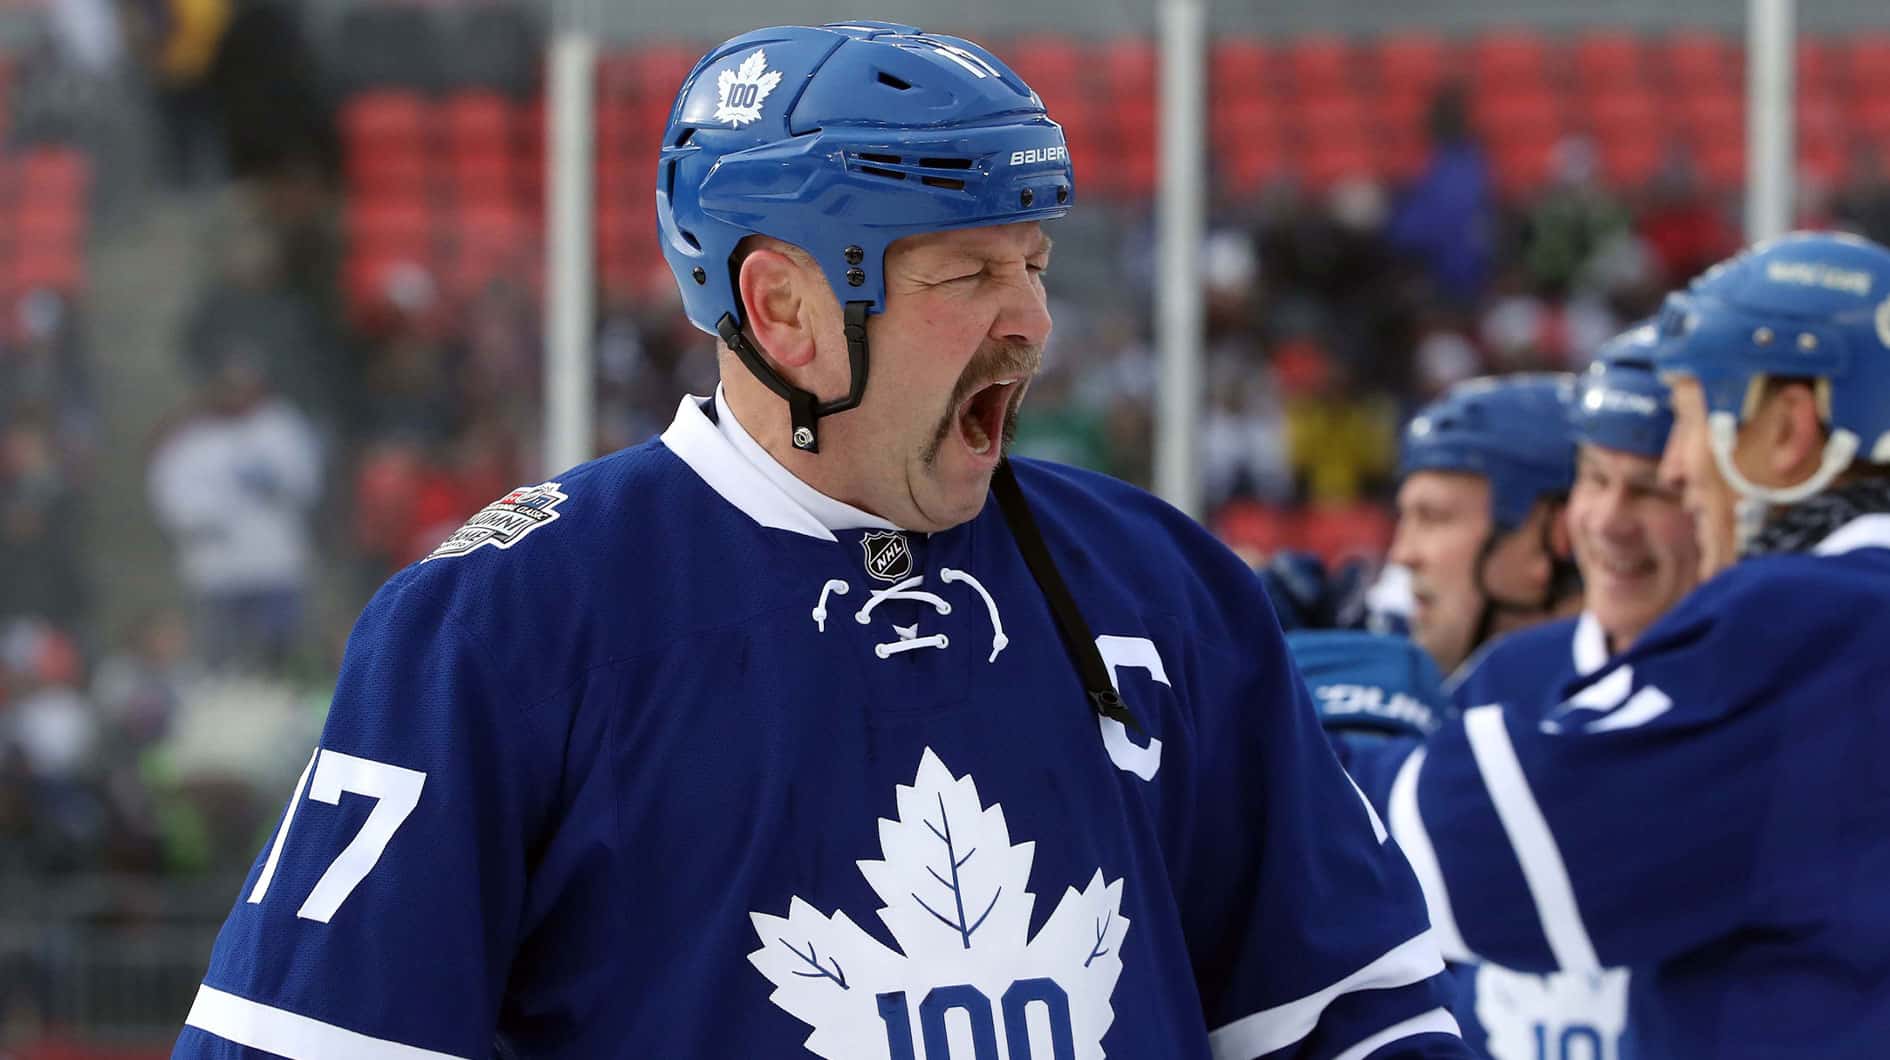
(1513, 430)
(1619, 402)
(1810, 305)
(841, 139)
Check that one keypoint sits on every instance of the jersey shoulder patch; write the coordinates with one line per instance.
(505, 522)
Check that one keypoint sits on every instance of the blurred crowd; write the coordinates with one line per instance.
(326, 444)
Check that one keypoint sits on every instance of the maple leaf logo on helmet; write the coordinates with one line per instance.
(740, 93)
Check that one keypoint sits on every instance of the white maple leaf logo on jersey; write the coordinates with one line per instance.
(957, 904)
(739, 94)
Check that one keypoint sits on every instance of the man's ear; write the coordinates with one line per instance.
(1792, 433)
(771, 287)
(1561, 542)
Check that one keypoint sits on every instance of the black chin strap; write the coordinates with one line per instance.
(1103, 697)
(804, 408)
(1564, 578)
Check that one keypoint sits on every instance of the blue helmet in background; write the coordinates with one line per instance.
(1512, 430)
(839, 140)
(1619, 402)
(1810, 305)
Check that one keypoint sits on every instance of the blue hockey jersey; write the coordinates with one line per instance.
(650, 761)
(1708, 809)
(1509, 1015)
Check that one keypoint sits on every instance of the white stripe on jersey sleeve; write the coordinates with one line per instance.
(1276, 1028)
(272, 1030)
(1407, 827)
(1436, 1021)
(1542, 866)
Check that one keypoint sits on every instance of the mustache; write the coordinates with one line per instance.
(991, 363)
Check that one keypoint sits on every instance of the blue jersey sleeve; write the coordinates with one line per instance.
(1713, 750)
(1320, 880)
(382, 916)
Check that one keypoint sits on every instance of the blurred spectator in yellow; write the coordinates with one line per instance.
(1340, 442)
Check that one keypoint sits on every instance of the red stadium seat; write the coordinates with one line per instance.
(1631, 157)
(1721, 163)
(1240, 120)
(1046, 60)
(49, 225)
(1252, 166)
(1320, 64)
(1816, 65)
(1533, 114)
(1523, 165)
(1607, 60)
(1128, 66)
(53, 174)
(478, 121)
(1410, 62)
(1335, 158)
(389, 174)
(59, 267)
(1504, 58)
(483, 176)
(371, 120)
(661, 69)
(1697, 60)
(1866, 62)
(1241, 68)
(1714, 117)
(1254, 530)
(391, 227)
(1342, 532)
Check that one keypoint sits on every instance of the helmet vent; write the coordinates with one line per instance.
(897, 83)
(889, 174)
(891, 160)
(943, 182)
(945, 163)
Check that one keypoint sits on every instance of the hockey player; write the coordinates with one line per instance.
(814, 727)
(1634, 546)
(1485, 472)
(1706, 808)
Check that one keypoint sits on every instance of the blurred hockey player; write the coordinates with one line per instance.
(1485, 473)
(1706, 808)
(1634, 546)
(814, 726)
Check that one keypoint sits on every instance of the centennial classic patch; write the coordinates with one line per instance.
(506, 521)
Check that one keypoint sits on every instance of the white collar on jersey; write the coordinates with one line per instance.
(745, 475)
(1865, 531)
(1591, 645)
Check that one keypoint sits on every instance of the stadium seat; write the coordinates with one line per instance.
(53, 174)
(403, 173)
(1241, 68)
(1503, 59)
(391, 227)
(1721, 163)
(1410, 62)
(1049, 62)
(60, 267)
(1697, 60)
(373, 120)
(1713, 117)
(1342, 532)
(1631, 156)
(1865, 59)
(478, 121)
(1320, 65)
(1523, 165)
(662, 68)
(1607, 60)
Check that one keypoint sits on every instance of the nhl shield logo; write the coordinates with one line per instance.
(888, 556)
